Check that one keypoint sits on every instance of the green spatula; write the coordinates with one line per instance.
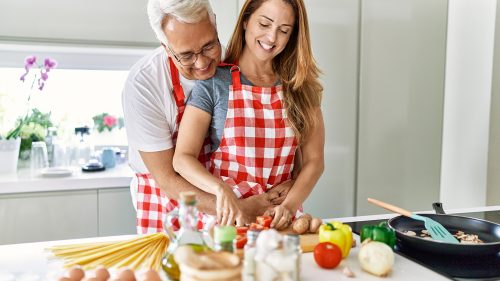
(435, 229)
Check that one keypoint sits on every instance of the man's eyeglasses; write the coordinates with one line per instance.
(189, 59)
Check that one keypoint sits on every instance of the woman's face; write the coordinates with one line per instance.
(268, 29)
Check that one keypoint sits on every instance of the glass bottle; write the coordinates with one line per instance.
(248, 272)
(223, 238)
(188, 233)
(293, 252)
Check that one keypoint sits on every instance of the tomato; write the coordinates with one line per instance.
(241, 229)
(264, 220)
(241, 240)
(327, 255)
(256, 226)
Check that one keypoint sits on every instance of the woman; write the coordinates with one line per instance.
(258, 113)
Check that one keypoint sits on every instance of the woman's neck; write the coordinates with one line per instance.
(259, 72)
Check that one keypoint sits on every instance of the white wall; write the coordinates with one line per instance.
(401, 96)
(493, 194)
(469, 59)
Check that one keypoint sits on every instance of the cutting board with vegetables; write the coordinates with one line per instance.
(307, 227)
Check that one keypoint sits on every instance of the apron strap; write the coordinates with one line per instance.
(235, 74)
(176, 83)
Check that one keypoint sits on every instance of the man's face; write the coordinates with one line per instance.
(196, 42)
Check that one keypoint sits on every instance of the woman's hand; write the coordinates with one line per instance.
(227, 208)
(282, 217)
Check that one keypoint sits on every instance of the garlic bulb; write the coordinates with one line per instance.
(376, 257)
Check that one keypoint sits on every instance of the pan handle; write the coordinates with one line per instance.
(438, 208)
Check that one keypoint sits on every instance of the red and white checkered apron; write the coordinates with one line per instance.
(153, 206)
(258, 147)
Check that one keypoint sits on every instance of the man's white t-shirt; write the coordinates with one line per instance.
(149, 107)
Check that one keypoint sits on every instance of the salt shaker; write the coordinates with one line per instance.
(294, 253)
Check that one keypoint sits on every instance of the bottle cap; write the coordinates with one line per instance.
(188, 197)
(224, 233)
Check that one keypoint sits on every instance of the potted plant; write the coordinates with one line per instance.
(10, 144)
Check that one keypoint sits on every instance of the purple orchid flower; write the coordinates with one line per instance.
(28, 63)
(49, 64)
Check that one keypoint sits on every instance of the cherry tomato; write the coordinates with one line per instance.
(241, 240)
(241, 229)
(264, 220)
(327, 255)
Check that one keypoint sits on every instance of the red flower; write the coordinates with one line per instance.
(109, 121)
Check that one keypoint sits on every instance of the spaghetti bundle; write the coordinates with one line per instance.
(142, 252)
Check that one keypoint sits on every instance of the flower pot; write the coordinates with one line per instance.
(9, 155)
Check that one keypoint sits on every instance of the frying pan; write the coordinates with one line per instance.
(487, 231)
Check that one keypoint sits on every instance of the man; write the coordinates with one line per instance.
(153, 103)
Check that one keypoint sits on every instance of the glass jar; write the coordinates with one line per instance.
(248, 272)
(188, 233)
(223, 238)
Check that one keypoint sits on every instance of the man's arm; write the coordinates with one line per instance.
(159, 165)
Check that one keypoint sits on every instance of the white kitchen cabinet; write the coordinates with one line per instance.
(402, 68)
(116, 212)
(45, 216)
(111, 22)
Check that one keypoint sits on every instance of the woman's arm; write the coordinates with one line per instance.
(192, 131)
(312, 168)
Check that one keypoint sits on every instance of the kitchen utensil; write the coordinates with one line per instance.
(435, 229)
(487, 231)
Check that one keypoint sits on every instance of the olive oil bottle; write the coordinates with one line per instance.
(188, 234)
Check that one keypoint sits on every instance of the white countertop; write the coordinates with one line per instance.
(23, 181)
(31, 262)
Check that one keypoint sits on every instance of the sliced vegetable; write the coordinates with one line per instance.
(241, 230)
(256, 226)
(264, 220)
(337, 233)
(381, 233)
(241, 241)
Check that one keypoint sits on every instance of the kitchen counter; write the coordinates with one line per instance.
(31, 262)
(23, 181)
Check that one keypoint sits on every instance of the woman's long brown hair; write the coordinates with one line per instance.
(295, 66)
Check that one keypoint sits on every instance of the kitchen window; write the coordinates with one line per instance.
(87, 81)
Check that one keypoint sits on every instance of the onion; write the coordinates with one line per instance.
(376, 258)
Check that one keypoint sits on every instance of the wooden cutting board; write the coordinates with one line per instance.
(307, 241)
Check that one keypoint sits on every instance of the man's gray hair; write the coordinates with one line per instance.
(188, 11)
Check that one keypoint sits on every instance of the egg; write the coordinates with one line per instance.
(151, 275)
(76, 274)
(91, 279)
(102, 274)
(127, 275)
(64, 279)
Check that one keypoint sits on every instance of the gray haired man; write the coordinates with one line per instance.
(153, 102)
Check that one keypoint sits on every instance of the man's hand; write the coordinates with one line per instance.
(254, 206)
(278, 193)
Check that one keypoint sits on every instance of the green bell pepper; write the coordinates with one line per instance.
(381, 233)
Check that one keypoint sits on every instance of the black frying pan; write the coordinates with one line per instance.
(489, 232)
